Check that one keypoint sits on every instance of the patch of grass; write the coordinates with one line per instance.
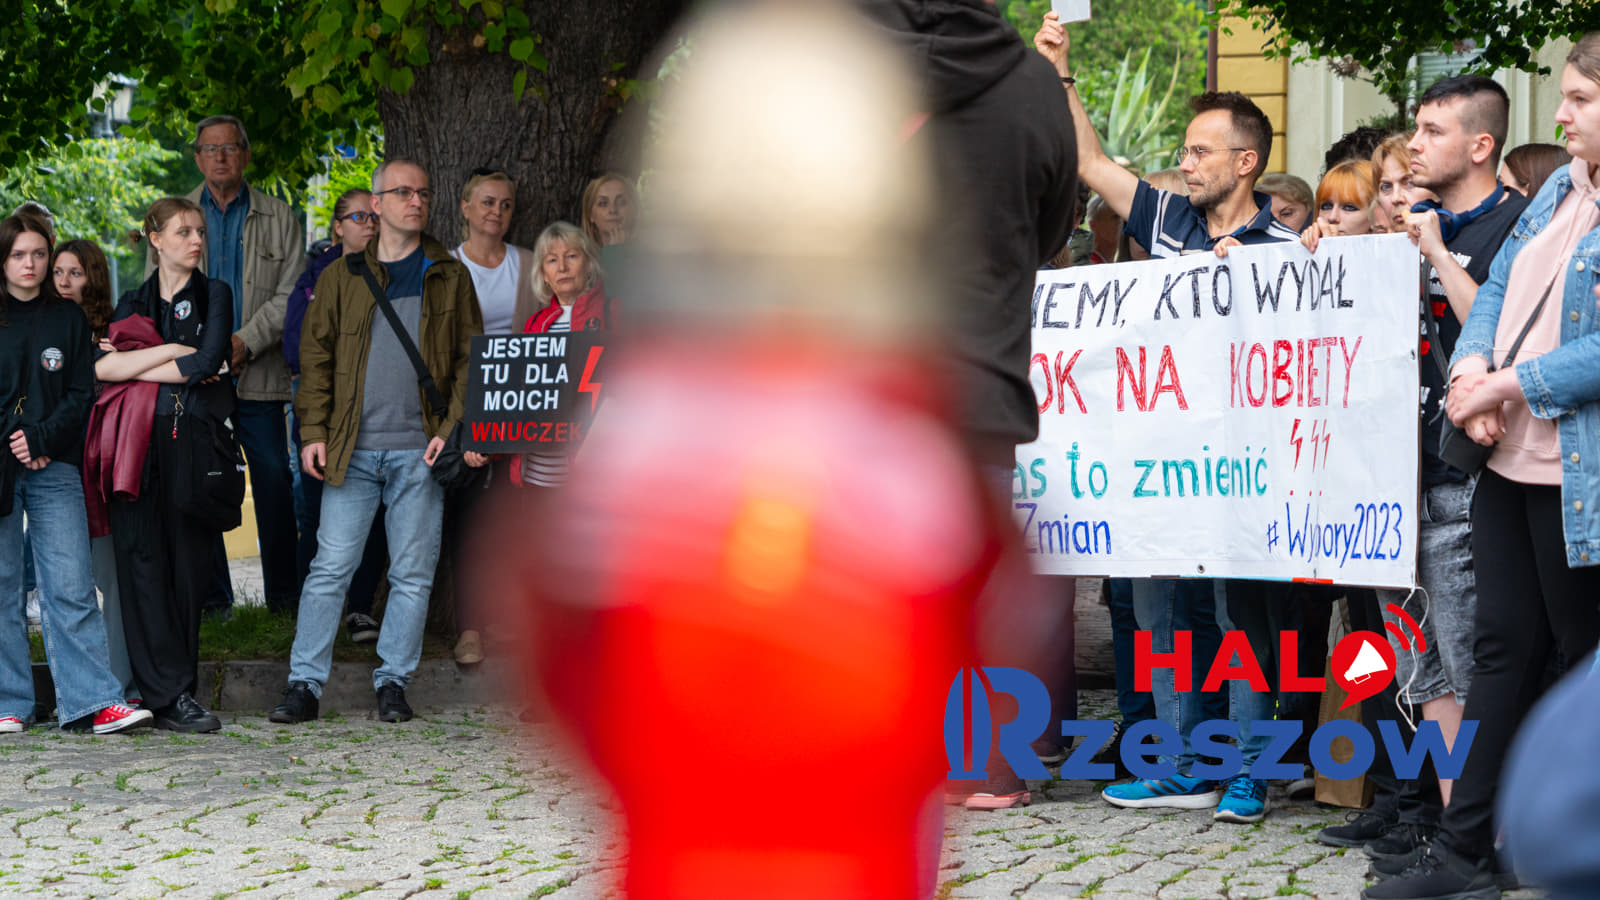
(255, 632)
(550, 888)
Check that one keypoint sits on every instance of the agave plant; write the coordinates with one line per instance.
(1135, 130)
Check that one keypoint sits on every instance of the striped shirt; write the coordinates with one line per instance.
(1167, 224)
(549, 469)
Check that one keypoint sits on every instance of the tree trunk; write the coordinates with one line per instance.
(460, 114)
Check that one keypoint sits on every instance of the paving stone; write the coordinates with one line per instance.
(473, 800)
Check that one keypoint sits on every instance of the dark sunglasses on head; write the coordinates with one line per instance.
(482, 172)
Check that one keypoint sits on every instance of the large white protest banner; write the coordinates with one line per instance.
(1246, 417)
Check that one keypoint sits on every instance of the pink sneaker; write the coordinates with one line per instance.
(998, 801)
(117, 717)
(12, 725)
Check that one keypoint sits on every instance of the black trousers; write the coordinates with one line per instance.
(1530, 605)
(164, 572)
(1414, 801)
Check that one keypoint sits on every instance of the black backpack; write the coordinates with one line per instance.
(207, 477)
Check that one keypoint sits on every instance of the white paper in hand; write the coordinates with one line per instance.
(1071, 10)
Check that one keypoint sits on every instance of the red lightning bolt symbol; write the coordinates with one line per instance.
(585, 386)
(1295, 440)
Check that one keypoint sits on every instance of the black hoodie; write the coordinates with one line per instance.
(46, 356)
(1007, 164)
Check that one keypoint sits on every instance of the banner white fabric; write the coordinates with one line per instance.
(1247, 417)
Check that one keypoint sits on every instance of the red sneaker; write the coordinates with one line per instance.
(12, 725)
(117, 717)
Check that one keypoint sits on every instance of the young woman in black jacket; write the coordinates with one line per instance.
(46, 386)
(163, 552)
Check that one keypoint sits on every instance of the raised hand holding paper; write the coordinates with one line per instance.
(1071, 10)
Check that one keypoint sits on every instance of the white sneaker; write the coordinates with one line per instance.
(12, 725)
(34, 618)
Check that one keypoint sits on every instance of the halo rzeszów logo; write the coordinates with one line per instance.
(1363, 664)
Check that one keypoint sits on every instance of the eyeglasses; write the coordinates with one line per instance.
(361, 218)
(217, 149)
(1199, 153)
(404, 194)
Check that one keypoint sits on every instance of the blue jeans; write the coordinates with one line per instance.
(308, 513)
(404, 483)
(1260, 609)
(1159, 606)
(264, 438)
(1133, 706)
(74, 633)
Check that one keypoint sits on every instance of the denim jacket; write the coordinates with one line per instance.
(1563, 384)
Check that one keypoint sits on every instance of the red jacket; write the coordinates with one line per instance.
(591, 311)
(118, 435)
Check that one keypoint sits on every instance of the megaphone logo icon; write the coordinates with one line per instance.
(1367, 662)
(1363, 664)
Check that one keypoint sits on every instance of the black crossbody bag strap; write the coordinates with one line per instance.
(358, 264)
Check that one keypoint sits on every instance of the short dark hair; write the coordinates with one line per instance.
(1357, 144)
(1250, 124)
(1486, 107)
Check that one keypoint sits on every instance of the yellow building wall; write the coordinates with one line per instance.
(241, 542)
(1242, 67)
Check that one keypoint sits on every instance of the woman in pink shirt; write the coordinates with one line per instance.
(1525, 379)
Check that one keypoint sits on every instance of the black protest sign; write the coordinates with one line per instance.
(530, 392)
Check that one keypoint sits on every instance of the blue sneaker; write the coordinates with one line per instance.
(1177, 792)
(1244, 800)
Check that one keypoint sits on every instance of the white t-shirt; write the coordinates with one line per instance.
(497, 291)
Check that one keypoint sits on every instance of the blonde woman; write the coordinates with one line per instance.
(502, 273)
(163, 553)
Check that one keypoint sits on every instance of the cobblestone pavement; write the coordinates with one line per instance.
(465, 803)
(449, 805)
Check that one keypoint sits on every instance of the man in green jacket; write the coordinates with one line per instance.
(367, 430)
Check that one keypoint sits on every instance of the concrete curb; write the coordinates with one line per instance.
(249, 686)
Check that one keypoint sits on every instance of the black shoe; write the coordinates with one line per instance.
(1360, 829)
(1438, 875)
(299, 705)
(187, 716)
(392, 706)
(1111, 754)
(1402, 840)
(362, 627)
(1050, 752)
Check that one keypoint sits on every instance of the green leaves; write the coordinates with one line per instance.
(1135, 129)
(97, 189)
(1384, 35)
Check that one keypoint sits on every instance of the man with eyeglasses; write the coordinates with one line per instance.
(256, 245)
(1224, 152)
(367, 431)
